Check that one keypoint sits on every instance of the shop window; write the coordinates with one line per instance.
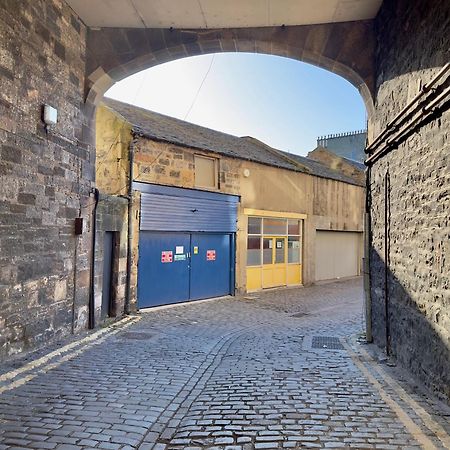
(253, 251)
(275, 226)
(206, 172)
(269, 238)
(254, 225)
(293, 249)
(293, 227)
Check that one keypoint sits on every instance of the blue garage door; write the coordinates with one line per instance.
(210, 265)
(186, 244)
(177, 267)
(163, 276)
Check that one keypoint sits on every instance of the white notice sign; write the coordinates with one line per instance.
(179, 250)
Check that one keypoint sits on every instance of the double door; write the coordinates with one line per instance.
(177, 267)
(274, 261)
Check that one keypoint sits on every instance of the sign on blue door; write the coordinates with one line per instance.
(177, 267)
(210, 267)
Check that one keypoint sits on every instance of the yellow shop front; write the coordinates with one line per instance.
(274, 249)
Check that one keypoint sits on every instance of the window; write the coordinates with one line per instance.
(274, 226)
(268, 238)
(254, 225)
(293, 227)
(206, 172)
(294, 249)
(253, 251)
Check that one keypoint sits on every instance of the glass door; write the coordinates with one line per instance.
(274, 261)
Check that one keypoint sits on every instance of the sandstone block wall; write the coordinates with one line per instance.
(413, 44)
(44, 177)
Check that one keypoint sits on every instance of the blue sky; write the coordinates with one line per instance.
(284, 103)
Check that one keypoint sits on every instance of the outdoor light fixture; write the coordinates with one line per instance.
(50, 115)
(246, 173)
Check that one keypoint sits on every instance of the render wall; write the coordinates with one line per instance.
(44, 177)
(413, 44)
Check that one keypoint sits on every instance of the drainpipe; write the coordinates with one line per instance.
(386, 260)
(92, 281)
(130, 224)
(367, 246)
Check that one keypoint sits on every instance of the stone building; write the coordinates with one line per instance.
(295, 221)
(409, 190)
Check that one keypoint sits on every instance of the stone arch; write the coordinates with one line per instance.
(113, 54)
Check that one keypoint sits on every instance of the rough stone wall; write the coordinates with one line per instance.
(44, 177)
(413, 44)
(163, 163)
(113, 138)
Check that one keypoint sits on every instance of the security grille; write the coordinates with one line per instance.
(327, 342)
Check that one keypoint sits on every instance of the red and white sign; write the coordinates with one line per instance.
(210, 255)
(167, 256)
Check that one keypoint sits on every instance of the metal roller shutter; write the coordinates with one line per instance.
(166, 208)
(338, 254)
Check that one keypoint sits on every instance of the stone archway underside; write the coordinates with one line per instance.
(346, 49)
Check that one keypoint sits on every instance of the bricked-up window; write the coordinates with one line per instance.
(206, 172)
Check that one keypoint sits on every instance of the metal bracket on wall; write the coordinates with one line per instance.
(432, 100)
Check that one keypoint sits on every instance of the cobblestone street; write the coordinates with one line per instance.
(281, 369)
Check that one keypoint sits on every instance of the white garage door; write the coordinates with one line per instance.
(338, 254)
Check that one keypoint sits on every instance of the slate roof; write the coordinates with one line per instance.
(358, 165)
(169, 129)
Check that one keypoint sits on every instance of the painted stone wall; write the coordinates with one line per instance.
(44, 177)
(413, 45)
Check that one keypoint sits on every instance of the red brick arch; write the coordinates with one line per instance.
(113, 54)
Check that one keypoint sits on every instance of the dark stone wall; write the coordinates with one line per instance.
(44, 177)
(413, 43)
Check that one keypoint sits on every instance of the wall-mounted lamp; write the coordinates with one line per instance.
(49, 115)
(246, 173)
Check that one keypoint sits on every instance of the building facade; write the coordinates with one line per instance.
(347, 145)
(281, 219)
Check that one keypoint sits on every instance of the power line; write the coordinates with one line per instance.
(200, 88)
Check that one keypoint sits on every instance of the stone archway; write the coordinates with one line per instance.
(113, 54)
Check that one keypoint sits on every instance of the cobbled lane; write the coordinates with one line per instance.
(280, 369)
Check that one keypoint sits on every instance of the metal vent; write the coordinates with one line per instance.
(327, 342)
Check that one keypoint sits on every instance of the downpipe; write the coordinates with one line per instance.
(94, 242)
(366, 267)
(129, 226)
(386, 261)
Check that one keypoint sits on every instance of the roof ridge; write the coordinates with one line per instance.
(176, 131)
